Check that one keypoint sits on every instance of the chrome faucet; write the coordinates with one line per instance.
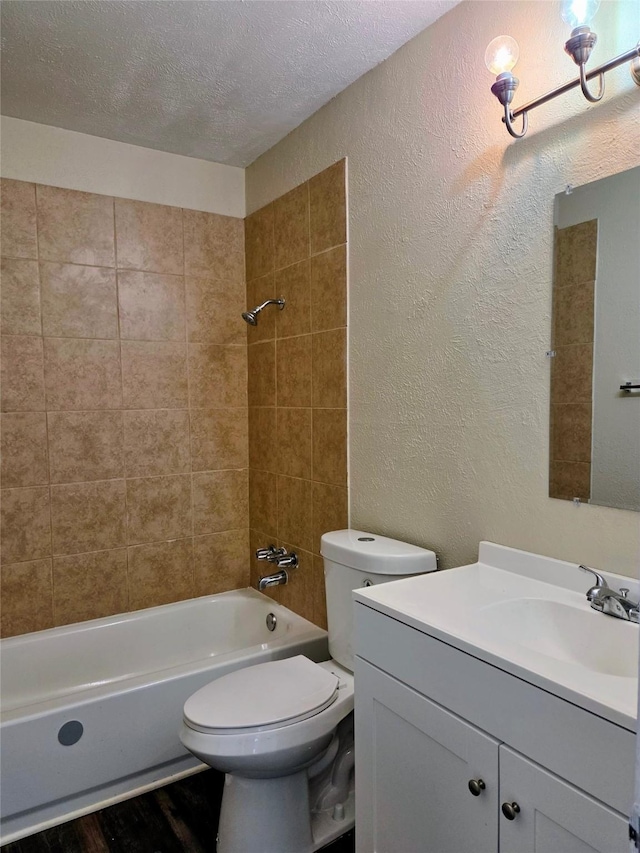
(282, 560)
(606, 600)
(273, 580)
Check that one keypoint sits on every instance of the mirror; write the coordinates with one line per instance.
(594, 422)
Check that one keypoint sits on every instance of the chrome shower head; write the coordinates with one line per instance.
(251, 317)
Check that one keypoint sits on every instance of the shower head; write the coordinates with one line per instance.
(251, 317)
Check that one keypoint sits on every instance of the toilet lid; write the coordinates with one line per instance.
(262, 695)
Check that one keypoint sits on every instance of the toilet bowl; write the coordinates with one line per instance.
(283, 731)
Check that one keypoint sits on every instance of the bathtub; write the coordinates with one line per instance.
(90, 712)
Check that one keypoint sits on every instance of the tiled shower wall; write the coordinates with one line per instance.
(572, 367)
(124, 406)
(296, 248)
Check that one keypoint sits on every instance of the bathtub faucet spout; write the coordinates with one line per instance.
(276, 579)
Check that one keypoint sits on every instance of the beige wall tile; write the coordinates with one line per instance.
(75, 227)
(82, 374)
(214, 311)
(88, 516)
(26, 524)
(160, 573)
(18, 219)
(258, 291)
(328, 208)
(220, 501)
(154, 375)
(574, 310)
(79, 302)
(262, 374)
(85, 446)
(217, 376)
(156, 442)
(27, 597)
(330, 511)
(22, 376)
(571, 432)
(297, 593)
(294, 512)
(329, 289)
(568, 480)
(89, 586)
(219, 439)
(319, 593)
(149, 237)
(294, 442)
(213, 246)
(20, 297)
(571, 374)
(330, 369)
(263, 438)
(259, 245)
(576, 253)
(330, 445)
(291, 226)
(24, 449)
(292, 283)
(221, 562)
(293, 371)
(159, 508)
(152, 307)
(263, 502)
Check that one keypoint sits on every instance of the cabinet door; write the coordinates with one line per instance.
(414, 761)
(554, 816)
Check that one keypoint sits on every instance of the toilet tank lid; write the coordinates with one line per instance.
(376, 554)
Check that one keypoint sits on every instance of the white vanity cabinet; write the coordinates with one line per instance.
(430, 719)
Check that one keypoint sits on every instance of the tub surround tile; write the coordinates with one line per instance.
(263, 502)
(25, 524)
(263, 438)
(88, 516)
(24, 454)
(571, 374)
(220, 501)
(152, 306)
(89, 586)
(330, 369)
(156, 442)
(330, 445)
(26, 590)
(20, 297)
(154, 375)
(574, 310)
(159, 508)
(297, 593)
(258, 291)
(22, 374)
(78, 301)
(149, 237)
(330, 511)
(262, 374)
(329, 289)
(319, 593)
(291, 226)
(328, 208)
(217, 376)
(219, 439)
(213, 246)
(214, 309)
(220, 562)
(259, 243)
(75, 227)
(293, 372)
(572, 432)
(160, 573)
(576, 253)
(294, 442)
(294, 512)
(82, 374)
(85, 446)
(18, 219)
(568, 480)
(293, 284)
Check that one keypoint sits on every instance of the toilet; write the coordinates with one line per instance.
(283, 731)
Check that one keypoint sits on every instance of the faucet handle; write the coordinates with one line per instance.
(600, 581)
(269, 553)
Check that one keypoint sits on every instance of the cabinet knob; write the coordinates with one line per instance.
(510, 810)
(476, 786)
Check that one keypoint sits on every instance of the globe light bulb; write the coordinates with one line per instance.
(501, 54)
(578, 13)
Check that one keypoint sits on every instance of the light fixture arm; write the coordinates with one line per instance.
(508, 120)
(585, 89)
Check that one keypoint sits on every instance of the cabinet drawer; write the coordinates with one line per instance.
(590, 752)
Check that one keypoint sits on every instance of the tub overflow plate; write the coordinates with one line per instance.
(271, 622)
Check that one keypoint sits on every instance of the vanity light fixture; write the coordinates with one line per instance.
(502, 54)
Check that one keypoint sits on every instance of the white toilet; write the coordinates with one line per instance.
(283, 731)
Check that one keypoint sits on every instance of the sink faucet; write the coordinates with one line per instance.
(606, 600)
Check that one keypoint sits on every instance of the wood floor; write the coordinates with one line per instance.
(181, 817)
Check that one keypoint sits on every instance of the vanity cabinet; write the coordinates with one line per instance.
(431, 719)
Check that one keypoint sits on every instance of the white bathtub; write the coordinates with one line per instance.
(125, 680)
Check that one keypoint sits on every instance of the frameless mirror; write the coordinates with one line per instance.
(595, 374)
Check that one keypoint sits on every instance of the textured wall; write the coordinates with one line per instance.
(296, 249)
(451, 242)
(124, 406)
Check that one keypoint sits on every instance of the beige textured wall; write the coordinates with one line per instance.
(451, 243)
(124, 405)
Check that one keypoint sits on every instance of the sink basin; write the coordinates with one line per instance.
(563, 632)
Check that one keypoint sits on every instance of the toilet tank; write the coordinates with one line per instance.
(354, 558)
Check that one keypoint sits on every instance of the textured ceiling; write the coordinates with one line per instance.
(219, 80)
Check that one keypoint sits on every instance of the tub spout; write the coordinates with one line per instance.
(273, 580)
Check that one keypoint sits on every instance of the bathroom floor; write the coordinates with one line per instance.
(180, 817)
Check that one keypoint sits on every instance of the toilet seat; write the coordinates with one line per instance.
(262, 697)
